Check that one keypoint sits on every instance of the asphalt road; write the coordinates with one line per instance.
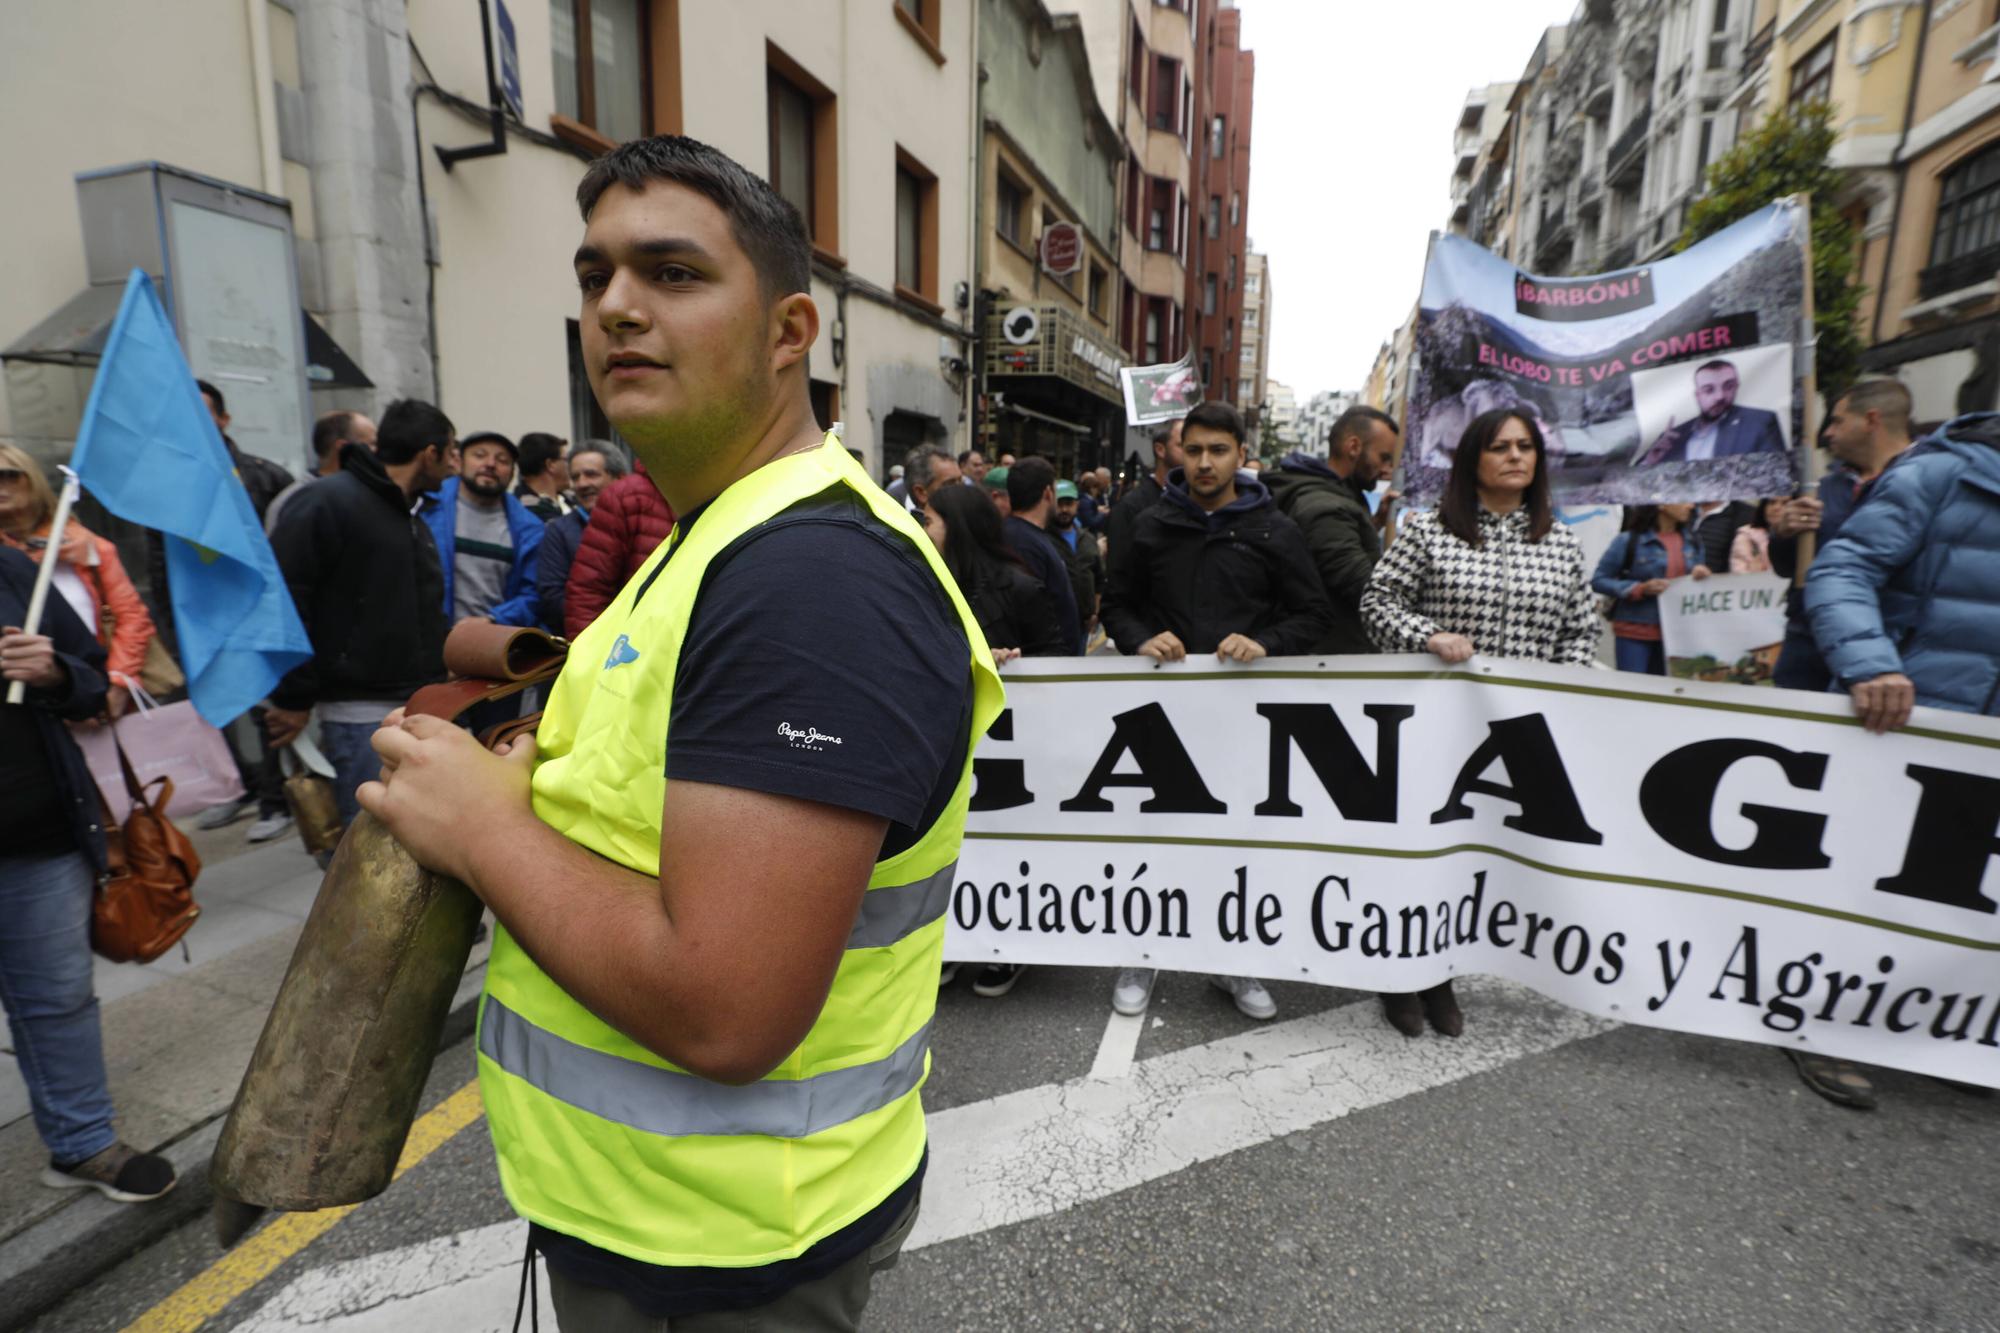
(1545, 1171)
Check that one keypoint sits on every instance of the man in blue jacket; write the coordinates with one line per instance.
(1905, 603)
(486, 539)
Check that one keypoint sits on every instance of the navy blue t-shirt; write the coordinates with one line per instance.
(823, 661)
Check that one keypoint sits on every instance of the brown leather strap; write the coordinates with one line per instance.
(480, 648)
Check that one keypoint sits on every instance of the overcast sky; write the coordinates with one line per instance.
(1350, 159)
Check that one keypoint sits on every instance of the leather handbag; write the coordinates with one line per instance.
(147, 902)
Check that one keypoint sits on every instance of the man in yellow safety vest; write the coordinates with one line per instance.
(721, 867)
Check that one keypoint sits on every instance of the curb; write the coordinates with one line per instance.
(45, 1263)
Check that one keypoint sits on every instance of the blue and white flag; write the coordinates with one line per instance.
(150, 453)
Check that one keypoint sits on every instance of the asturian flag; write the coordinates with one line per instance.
(150, 453)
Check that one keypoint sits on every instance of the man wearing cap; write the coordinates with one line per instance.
(1081, 551)
(995, 482)
(486, 539)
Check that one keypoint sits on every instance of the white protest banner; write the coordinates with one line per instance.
(1164, 392)
(1690, 856)
(1728, 627)
(1676, 381)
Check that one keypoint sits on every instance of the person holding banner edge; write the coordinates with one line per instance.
(1488, 571)
(1212, 567)
(1635, 572)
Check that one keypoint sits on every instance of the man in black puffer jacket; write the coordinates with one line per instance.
(1327, 500)
(1214, 567)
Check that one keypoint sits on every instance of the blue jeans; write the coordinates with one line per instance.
(1648, 658)
(346, 747)
(51, 1008)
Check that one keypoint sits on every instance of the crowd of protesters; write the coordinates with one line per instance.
(405, 528)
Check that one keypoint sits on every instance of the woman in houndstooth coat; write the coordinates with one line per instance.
(1490, 571)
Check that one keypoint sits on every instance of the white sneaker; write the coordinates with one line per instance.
(1134, 991)
(1250, 996)
(269, 827)
(222, 816)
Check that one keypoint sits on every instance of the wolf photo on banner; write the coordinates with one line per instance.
(1680, 380)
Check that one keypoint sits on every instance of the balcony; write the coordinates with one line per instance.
(1621, 255)
(1590, 195)
(1554, 239)
(1627, 157)
(1953, 274)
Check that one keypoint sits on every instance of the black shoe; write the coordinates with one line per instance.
(997, 978)
(119, 1173)
(1441, 1007)
(1839, 1081)
(1405, 1013)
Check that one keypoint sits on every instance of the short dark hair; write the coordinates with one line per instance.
(965, 459)
(538, 450)
(409, 427)
(214, 396)
(1458, 510)
(768, 228)
(1027, 479)
(1163, 432)
(1889, 397)
(331, 429)
(1214, 415)
(1717, 364)
(1354, 421)
(920, 465)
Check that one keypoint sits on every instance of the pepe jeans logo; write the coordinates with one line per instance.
(812, 738)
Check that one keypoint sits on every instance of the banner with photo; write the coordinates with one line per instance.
(1160, 393)
(1728, 627)
(1672, 853)
(1680, 380)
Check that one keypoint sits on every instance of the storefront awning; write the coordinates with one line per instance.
(75, 334)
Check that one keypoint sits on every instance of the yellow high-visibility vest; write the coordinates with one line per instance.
(598, 1137)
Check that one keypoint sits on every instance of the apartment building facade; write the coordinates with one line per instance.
(451, 280)
(1224, 242)
(1253, 362)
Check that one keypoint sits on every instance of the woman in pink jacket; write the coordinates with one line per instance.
(91, 577)
(1750, 550)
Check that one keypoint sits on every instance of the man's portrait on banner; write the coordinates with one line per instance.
(1722, 407)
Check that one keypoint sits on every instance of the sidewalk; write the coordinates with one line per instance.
(178, 1034)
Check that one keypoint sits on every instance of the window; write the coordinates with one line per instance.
(1250, 319)
(1095, 291)
(600, 65)
(1249, 356)
(1251, 282)
(1968, 224)
(920, 19)
(1718, 36)
(1235, 208)
(1229, 273)
(1214, 216)
(1228, 335)
(1010, 198)
(1135, 73)
(1186, 122)
(1159, 213)
(1156, 318)
(1215, 133)
(1135, 193)
(916, 231)
(1207, 369)
(1707, 142)
(1180, 224)
(804, 136)
(1246, 391)
(1166, 93)
(1208, 294)
(825, 401)
(1812, 75)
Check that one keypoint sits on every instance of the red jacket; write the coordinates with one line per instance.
(629, 519)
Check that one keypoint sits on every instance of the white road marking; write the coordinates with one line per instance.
(1026, 1154)
(1114, 1052)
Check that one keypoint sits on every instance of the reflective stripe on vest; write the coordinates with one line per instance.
(666, 1101)
(892, 913)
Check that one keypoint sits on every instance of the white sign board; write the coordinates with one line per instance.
(1727, 627)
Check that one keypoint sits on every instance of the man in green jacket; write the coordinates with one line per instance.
(1327, 499)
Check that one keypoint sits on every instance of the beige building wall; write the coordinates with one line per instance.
(84, 85)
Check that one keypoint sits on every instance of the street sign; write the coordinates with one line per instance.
(510, 59)
(1021, 326)
(1062, 248)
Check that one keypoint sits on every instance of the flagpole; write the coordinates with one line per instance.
(17, 691)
